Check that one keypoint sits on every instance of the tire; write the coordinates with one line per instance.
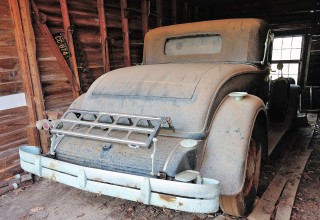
(241, 204)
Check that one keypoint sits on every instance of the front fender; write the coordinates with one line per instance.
(224, 157)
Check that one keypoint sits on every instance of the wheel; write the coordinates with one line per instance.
(241, 204)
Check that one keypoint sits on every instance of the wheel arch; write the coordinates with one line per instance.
(226, 148)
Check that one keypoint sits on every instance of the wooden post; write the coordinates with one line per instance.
(69, 39)
(145, 16)
(33, 138)
(159, 12)
(307, 54)
(33, 66)
(104, 36)
(185, 11)
(174, 11)
(40, 20)
(196, 11)
(125, 30)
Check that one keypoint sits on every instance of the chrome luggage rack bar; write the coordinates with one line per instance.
(135, 131)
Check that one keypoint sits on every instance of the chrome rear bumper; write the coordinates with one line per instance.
(199, 198)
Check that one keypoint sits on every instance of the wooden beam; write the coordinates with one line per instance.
(33, 138)
(33, 66)
(104, 36)
(125, 30)
(174, 11)
(145, 16)
(69, 39)
(159, 12)
(40, 19)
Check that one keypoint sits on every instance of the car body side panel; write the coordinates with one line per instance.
(226, 150)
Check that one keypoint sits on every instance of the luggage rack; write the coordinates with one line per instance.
(135, 131)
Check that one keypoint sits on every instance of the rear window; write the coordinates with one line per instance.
(192, 45)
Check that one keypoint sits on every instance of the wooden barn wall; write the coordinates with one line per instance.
(14, 121)
(57, 90)
(85, 25)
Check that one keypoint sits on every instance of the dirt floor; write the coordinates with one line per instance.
(46, 199)
(50, 200)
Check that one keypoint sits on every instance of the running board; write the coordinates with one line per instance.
(135, 131)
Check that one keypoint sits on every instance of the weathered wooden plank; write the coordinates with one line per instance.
(145, 16)
(9, 155)
(8, 51)
(13, 111)
(284, 208)
(267, 202)
(16, 121)
(69, 39)
(125, 30)
(104, 36)
(9, 64)
(48, 36)
(13, 136)
(33, 65)
(8, 88)
(13, 144)
(6, 24)
(8, 171)
(7, 38)
(24, 66)
(9, 76)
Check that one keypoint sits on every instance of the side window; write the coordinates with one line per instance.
(286, 57)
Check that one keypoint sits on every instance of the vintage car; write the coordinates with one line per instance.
(185, 130)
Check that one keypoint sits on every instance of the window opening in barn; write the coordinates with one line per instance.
(286, 57)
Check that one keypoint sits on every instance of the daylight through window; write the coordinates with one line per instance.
(286, 50)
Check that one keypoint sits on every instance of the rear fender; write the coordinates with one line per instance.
(224, 157)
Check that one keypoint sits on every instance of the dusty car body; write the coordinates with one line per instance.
(184, 130)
